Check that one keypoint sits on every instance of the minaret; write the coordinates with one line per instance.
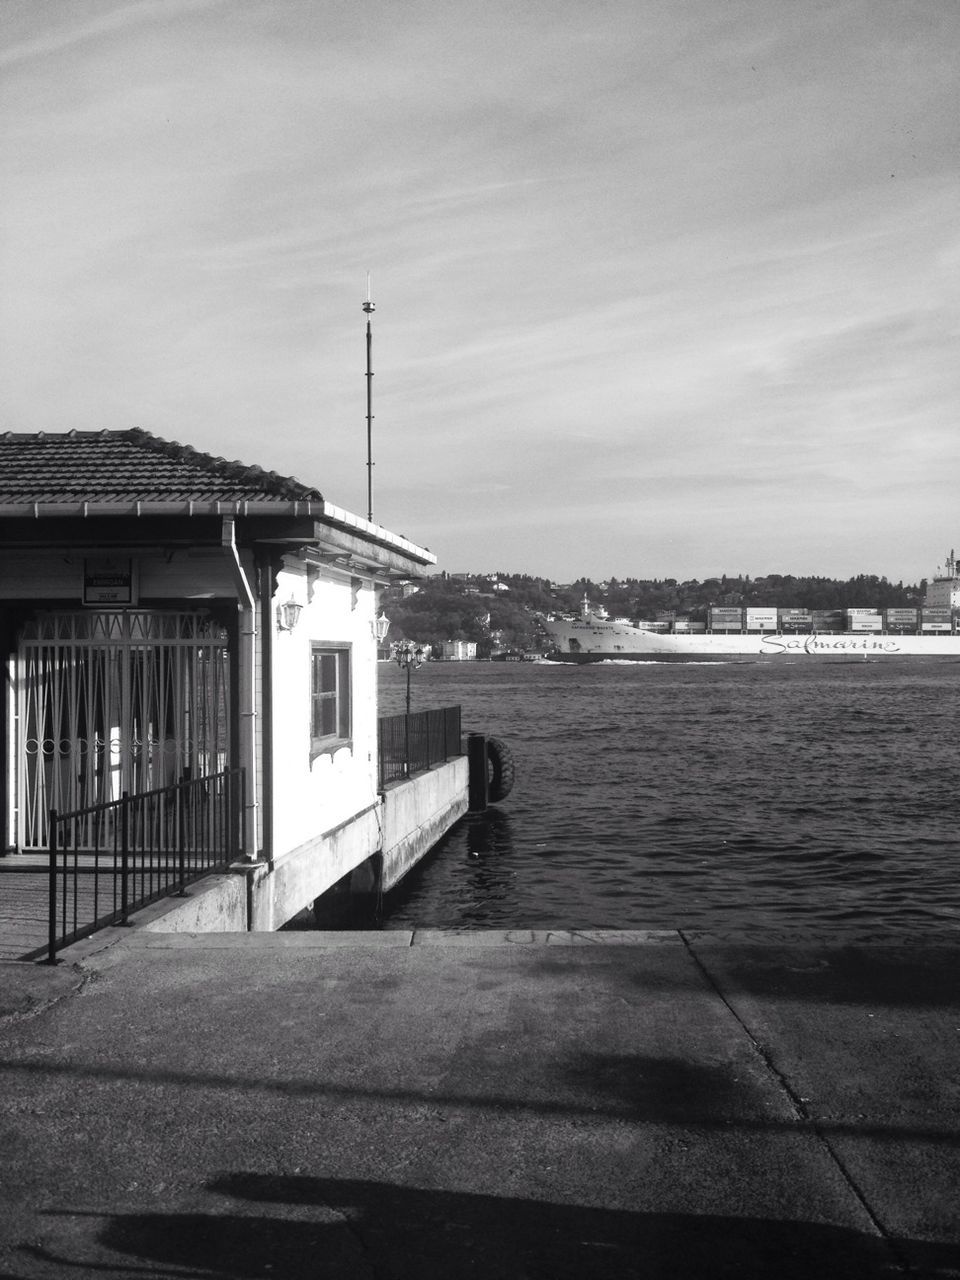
(368, 308)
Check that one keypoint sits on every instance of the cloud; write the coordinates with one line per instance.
(641, 273)
(62, 27)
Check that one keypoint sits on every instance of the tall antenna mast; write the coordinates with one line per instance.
(368, 308)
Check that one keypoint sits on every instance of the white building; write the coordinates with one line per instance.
(459, 650)
(166, 615)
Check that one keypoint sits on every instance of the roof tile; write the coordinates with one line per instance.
(129, 466)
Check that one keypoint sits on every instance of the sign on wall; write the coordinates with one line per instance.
(109, 581)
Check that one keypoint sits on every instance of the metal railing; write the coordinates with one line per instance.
(409, 744)
(108, 860)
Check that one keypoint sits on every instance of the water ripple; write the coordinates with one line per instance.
(709, 797)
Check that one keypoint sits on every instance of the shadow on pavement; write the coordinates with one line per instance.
(899, 976)
(641, 1089)
(662, 1090)
(329, 1228)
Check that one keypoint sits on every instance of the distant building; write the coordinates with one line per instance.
(458, 650)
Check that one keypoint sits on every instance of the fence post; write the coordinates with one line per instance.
(181, 841)
(52, 893)
(239, 847)
(124, 856)
(243, 851)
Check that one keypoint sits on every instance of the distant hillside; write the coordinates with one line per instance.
(500, 611)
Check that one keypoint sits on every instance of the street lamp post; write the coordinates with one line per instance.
(409, 656)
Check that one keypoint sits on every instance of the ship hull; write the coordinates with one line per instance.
(602, 641)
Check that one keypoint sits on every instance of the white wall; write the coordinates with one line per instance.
(313, 796)
(418, 812)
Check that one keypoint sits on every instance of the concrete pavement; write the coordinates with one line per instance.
(515, 1106)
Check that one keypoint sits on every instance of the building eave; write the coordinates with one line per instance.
(331, 530)
(92, 508)
(346, 520)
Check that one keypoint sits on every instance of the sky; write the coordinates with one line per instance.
(663, 288)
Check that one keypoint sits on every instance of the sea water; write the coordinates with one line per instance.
(800, 797)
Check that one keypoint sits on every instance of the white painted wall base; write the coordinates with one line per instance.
(310, 870)
(217, 904)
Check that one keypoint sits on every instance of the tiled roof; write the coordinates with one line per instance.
(130, 466)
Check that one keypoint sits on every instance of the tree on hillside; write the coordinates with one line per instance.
(470, 608)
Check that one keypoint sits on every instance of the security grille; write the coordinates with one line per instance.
(116, 702)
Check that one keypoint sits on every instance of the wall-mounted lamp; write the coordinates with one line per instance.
(380, 627)
(288, 615)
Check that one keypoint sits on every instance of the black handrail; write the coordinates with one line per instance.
(130, 852)
(410, 744)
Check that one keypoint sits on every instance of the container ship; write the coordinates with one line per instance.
(735, 634)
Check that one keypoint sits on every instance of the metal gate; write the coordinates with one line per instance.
(116, 702)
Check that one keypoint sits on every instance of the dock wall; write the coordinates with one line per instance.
(417, 813)
(216, 904)
(389, 837)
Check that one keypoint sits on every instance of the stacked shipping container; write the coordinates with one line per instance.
(858, 620)
(826, 619)
(729, 618)
(759, 619)
(794, 619)
(936, 620)
(863, 620)
(900, 621)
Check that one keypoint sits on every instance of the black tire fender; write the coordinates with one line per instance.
(502, 771)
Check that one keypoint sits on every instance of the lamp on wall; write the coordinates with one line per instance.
(288, 615)
(380, 627)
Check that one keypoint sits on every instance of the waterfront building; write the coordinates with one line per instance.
(167, 615)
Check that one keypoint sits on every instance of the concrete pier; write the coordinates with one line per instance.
(515, 1105)
(373, 850)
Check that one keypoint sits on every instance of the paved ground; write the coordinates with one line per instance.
(24, 905)
(512, 1107)
(25, 897)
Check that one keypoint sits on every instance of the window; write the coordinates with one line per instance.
(329, 698)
